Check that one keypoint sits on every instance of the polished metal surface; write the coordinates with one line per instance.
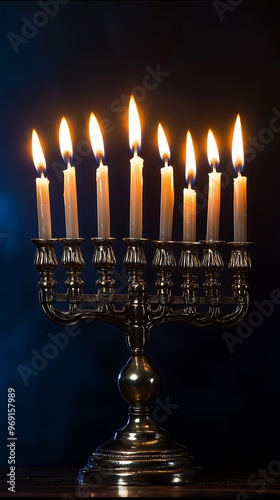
(61, 482)
(142, 453)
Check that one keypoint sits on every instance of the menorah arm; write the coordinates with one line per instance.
(235, 316)
(75, 313)
(212, 317)
(65, 318)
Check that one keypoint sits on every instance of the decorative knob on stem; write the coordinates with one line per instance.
(135, 262)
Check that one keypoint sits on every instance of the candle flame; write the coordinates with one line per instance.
(164, 150)
(134, 126)
(96, 137)
(190, 159)
(212, 150)
(237, 146)
(65, 140)
(37, 153)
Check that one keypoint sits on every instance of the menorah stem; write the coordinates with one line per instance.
(137, 304)
(141, 453)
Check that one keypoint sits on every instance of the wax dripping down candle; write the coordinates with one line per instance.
(239, 185)
(214, 192)
(136, 172)
(189, 195)
(167, 188)
(42, 190)
(102, 182)
(70, 190)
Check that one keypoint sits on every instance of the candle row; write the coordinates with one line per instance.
(136, 184)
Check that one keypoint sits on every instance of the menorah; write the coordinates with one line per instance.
(142, 453)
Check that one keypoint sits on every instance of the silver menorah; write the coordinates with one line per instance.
(142, 453)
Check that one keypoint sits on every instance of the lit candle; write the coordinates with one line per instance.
(214, 192)
(136, 173)
(189, 212)
(102, 182)
(70, 191)
(240, 185)
(167, 189)
(42, 190)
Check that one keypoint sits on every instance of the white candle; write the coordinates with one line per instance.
(103, 209)
(42, 190)
(70, 190)
(214, 192)
(102, 181)
(189, 233)
(239, 186)
(70, 202)
(240, 208)
(189, 195)
(167, 189)
(136, 173)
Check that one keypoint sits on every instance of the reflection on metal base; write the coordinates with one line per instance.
(142, 452)
(114, 463)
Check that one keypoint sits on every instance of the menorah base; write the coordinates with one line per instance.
(138, 459)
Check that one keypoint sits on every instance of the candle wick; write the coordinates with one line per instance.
(165, 159)
(190, 179)
(67, 158)
(214, 165)
(41, 170)
(135, 148)
(238, 167)
(100, 158)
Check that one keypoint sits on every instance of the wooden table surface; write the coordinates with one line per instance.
(61, 482)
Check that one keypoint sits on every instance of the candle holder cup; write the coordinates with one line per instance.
(142, 453)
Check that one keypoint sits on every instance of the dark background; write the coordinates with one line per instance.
(213, 60)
